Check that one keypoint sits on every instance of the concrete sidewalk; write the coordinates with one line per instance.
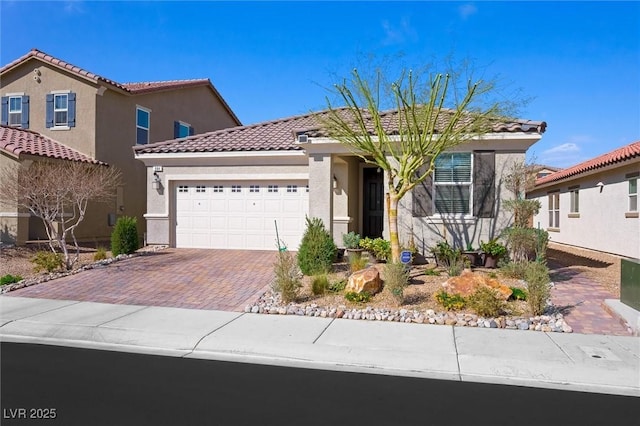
(578, 362)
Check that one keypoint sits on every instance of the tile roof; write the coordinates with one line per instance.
(15, 141)
(131, 88)
(280, 135)
(619, 155)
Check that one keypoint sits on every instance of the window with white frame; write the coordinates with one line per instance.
(574, 196)
(452, 180)
(143, 119)
(633, 194)
(272, 188)
(292, 188)
(217, 188)
(254, 188)
(554, 210)
(60, 109)
(183, 188)
(236, 188)
(200, 188)
(182, 129)
(15, 110)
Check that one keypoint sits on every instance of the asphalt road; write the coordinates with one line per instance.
(51, 385)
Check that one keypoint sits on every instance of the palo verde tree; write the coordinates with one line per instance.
(59, 192)
(426, 115)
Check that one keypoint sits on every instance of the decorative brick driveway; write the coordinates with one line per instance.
(182, 278)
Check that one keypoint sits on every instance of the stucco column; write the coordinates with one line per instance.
(321, 189)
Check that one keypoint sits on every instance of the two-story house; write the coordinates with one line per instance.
(103, 120)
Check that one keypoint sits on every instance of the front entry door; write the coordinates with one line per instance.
(373, 202)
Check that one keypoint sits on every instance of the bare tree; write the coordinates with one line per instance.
(429, 115)
(58, 192)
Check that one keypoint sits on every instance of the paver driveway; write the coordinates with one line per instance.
(182, 278)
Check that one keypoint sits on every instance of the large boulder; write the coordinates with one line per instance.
(365, 280)
(468, 282)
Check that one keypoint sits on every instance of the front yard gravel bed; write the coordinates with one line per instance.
(270, 303)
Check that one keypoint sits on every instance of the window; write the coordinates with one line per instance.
(254, 188)
(15, 110)
(292, 188)
(307, 188)
(633, 194)
(554, 210)
(452, 182)
(217, 188)
(200, 188)
(61, 110)
(272, 188)
(143, 117)
(182, 129)
(183, 188)
(236, 188)
(575, 200)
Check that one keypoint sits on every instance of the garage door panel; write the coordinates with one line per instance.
(240, 215)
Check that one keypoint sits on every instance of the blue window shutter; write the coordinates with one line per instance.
(71, 114)
(191, 131)
(176, 129)
(25, 112)
(5, 110)
(49, 118)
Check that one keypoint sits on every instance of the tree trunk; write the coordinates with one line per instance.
(392, 211)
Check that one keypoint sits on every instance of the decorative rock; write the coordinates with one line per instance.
(450, 321)
(493, 324)
(468, 282)
(366, 280)
(524, 325)
(567, 328)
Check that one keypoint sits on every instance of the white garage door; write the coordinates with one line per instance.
(240, 215)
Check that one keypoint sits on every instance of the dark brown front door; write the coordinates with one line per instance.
(373, 203)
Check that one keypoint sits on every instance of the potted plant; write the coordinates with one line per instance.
(493, 250)
(378, 247)
(351, 242)
(473, 255)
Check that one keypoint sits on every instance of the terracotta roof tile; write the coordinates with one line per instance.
(153, 86)
(280, 135)
(15, 141)
(624, 153)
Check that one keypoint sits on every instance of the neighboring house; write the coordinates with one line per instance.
(594, 204)
(229, 188)
(25, 146)
(103, 119)
(541, 170)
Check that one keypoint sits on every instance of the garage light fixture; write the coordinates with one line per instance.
(155, 184)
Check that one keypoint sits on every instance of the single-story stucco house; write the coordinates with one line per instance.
(594, 204)
(229, 188)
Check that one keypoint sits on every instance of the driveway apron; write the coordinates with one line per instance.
(181, 278)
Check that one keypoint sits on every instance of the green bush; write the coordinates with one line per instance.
(124, 238)
(363, 297)
(320, 284)
(514, 269)
(449, 258)
(287, 277)
(378, 247)
(317, 250)
(10, 279)
(337, 286)
(100, 254)
(538, 285)
(526, 243)
(47, 261)
(486, 301)
(493, 248)
(432, 272)
(518, 293)
(351, 240)
(450, 301)
(396, 279)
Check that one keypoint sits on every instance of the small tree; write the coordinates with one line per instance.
(58, 192)
(427, 118)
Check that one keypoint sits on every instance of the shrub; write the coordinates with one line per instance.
(396, 278)
(124, 238)
(363, 297)
(100, 254)
(526, 243)
(320, 284)
(379, 247)
(493, 248)
(449, 258)
(518, 293)
(10, 279)
(357, 263)
(287, 277)
(351, 240)
(337, 286)
(47, 261)
(432, 271)
(450, 301)
(486, 302)
(538, 285)
(514, 269)
(317, 250)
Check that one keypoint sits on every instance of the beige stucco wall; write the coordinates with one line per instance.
(603, 222)
(12, 220)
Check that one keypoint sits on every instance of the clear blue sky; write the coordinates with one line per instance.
(579, 61)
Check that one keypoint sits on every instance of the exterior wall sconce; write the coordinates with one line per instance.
(335, 182)
(155, 184)
(600, 185)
